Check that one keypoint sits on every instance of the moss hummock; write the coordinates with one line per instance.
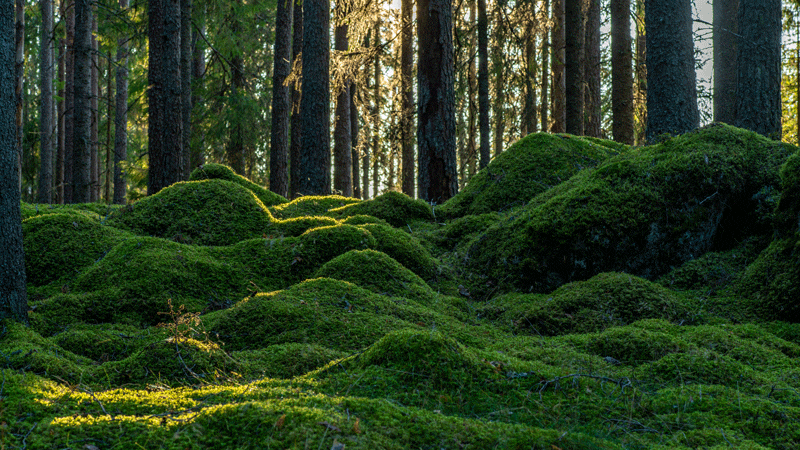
(222, 172)
(311, 205)
(396, 208)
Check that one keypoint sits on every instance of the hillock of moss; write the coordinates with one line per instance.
(311, 205)
(97, 211)
(405, 249)
(299, 225)
(221, 172)
(396, 208)
(787, 215)
(771, 282)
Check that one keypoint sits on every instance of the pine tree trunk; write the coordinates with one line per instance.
(196, 136)
(544, 103)
(498, 72)
(46, 106)
(558, 124)
(342, 150)
(593, 100)
(640, 86)
(82, 145)
(726, 37)
(59, 171)
(354, 130)
(573, 65)
(94, 176)
(297, 123)
(281, 98)
(377, 155)
(529, 120)
(483, 83)
(110, 106)
(407, 96)
(19, 77)
(121, 116)
(186, 88)
(621, 72)
(69, 104)
(436, 134)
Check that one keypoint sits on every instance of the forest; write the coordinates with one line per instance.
(514, 224)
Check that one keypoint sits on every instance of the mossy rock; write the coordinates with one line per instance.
(218, 171)
(405, 249)
(299, 225)
(787, 215)
(643, 212)
(529, 167)
(207, 212)
(311, 205)
(59, 246)
(772, 282)
(396, 208)
(286, 360)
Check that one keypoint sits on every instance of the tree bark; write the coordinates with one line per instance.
(186, 88)
(436, 134)
(13, 295)
(621, 72)
(545, 72)
(281, 98)
(558, 124)
(315, 157)
(196, 136)
(573, 65)
(354, 130)
(297, 122)
(377, 155)
(483, 83)
(529, 120)
(94, 146)
(726, 37)
(59, 170)
(46, 106)
(69, 104)
(592, 98)
(407, 97)
(19, 77)
(365, 147)
(758, 105)
(82, 145)
(671, 82)
(342, 150)
(121, 116)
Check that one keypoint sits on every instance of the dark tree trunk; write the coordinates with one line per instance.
(197, 157)
(13, 296)
(69, 104)
(671, 82)
(758, 105)
(281, 100)
(592, 103)
(726, 37)
(545, 72)
(573, 65)
(621, 72)
(315, 157)
(236, 146)
(529, 120)
(110, 106)
(498, 72)
(558, 124)
(354, 129)
(297, 122)
(19, 78)
(82, 145)
(164, 131)
(342, 139)
(407, 96)
(94, 168)
(365, 147)
(640, 86)
(186, 88)
(121, 116)
(436, 131)
(472, 97)
(59, 172)
(483, 83)
(46, 106)
(376, 95)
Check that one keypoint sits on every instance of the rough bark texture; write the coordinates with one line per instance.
(121, 116)
(354, 128)
(592, 99)
(377, 155)
(342, 140)
(164, 95)
(297, 123)
(94, 131)
(640, 81)
(13, 297)
(59, 170)
(726, 38)
(559, 100)
(46, 110)
(621, 72)
(197, 136)
(365, 146)
(483, 83)
(69, 103)
(529, 120)
(186, 87)
(671, 80)
(573, 65)
(545, 103)
(436, 131)
(82, 144)
(407, 93)
(315, 156)
(281, 100)
(758, 105)
(19, 74)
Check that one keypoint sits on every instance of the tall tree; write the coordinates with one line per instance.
(164, 131)
(407, 96)
(342, 140)
(365, 147)
(593, 100)
(59, 170)
(236, 150)
(758, 105)
(19, 77)
(640, 84)
(545, 70)
(94, 131)
(315, 157)
(121, 115)
(13, 295)
(69, 103)
(671, 82)
(726, 38)
(621, 72)
(558, 124)
(529, 121)
(377, 155)
(82, 115)
(483, 83)
(573, 65)
(186, 87)
(297, 121)
(197, 157)
(436, 134)
(354, 130)
(281, 98)
(46, 120)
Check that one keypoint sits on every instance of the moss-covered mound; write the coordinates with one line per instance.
(642, 212)
(299, 225)
(529, 167)
(395, 208)
(222, 172)
(405, 249)
(311, 205)
(208, 212)
(285, 360)
(97, 211)
(772, 282)
(787, 217)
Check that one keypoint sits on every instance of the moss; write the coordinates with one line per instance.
(311, 205)
(208, 212)
(405, 249)
(299, 225)
(221, 172)
(59, 246)
(529, 167)
(56, 313)
(772, 282)
(787, 218)
(286, 360)
(361, 219)
(395, 208)
(100, 343)
(643, 212)
(98, 211)
(319, 245)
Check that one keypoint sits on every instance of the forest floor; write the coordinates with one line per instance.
(577, 294)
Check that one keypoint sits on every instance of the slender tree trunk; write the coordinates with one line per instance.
(236, 146)
(297, 125)
(407, 95)
(726, 37)
(186, 88)
(94, 175)
(315, 157)
(483, 83)
(365, 146)
(592, 103)
(545, 102)
(281, 100)
(573, 66)
(13, 295)
(109, 159)
(46, 106)
(621, 72)
(758, 105)
(498, 72)
(343, 141)
(377, 155)
(436, 134)
(82, 145)
(69, 104)
(59, 172)
(121, 116)
(640, 88)
(529, 119)
(196, 136)
(472, 100)
(19, 74)
(559, 99)
(354, 130)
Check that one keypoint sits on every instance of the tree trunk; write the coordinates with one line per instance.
(82, 145)
(498, 72)
(19, 77)
(407, 96)
(110, 105)
(621, 72)
(94, 169)
(69, 104)
(196, 136)
(46, 106)
(121, 116)
(376, 121)
(758, 105)
(593, 100)
(365, 146)
(59, 172)
(165, 133)
(186, 88)
(726, 37)
(529, 120)
(436, 134)
(342, 150)
(236, 150)
(559, 100)
(640, 88)
(315, 156)
(671, 86)
(281, 98)
(297, 122)
(573, 65)
(354, 129)
(13, 296)
(483, 83)
(545, 72)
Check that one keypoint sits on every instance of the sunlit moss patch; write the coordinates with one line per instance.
(395, 208)
(222, 172)
(311, 205)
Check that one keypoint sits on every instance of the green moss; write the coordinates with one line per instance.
(56, 313)
(529, 167)
(395, 208)
(405, 249)
(219, 171)
(98, 211)
(208, 212)
(311, 205)
(299, 225)
(361, 219)
(319, 245)
(101, 343)
(286, 360)
(787, 214)
(772, 282)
